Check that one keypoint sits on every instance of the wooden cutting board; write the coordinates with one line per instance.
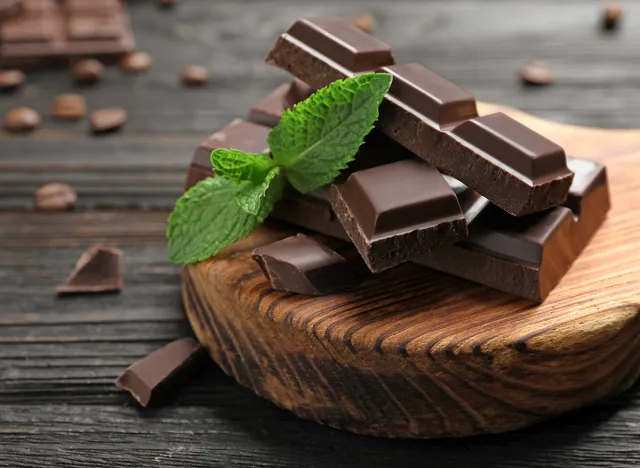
(416, 353)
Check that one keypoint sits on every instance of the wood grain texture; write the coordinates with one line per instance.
(416, 353)
(58, 405)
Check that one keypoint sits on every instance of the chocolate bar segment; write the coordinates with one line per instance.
(268, 110)
(397, 211)
(301, 265)
(55, 32)
(528, 256)
(239, 134)
(420, 112)
(151, 377)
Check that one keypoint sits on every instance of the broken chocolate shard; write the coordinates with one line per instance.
(148, 379)
(301, 265)
(422, 111)
(395, 212)
(99, 269)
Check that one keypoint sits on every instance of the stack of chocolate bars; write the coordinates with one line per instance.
(40, 32)
(483, 198)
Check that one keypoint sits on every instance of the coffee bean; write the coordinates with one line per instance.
(11, 79)
(108, 119)
(69, 107)
(364, 21)
(55, 197)
(611, 16)
(536, 74)
(87, 71)
(136, 62)
(21, 119)
(195, 75)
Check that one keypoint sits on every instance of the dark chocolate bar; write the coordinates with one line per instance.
(529, 256)
(301, 265)
(511, 165)
(268, 110)
(395, 212)
(525, 256)
(49, 31)
(151, 377)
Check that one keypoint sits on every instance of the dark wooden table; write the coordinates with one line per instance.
(60, 356)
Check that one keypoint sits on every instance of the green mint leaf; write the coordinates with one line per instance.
(238, 166)
(258, 200)
(206, 219)
(321, 135)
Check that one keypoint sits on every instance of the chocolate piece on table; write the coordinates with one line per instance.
(99, 269)
(395, 212)
(151, 377)
(429, 115)
(49, 32)
(301, 265)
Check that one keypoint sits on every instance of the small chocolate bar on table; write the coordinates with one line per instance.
(50, 31)
(517, 169)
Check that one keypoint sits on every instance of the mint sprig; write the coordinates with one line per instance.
(313, 143)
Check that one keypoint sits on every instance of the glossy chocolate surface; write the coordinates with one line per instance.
(302, 265)
(342, 43)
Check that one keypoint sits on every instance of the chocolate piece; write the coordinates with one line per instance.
(9, 8)
(55, 197)
(87, 71)
(364, 21)
(21, 119)
(194, 75)
(136, 62)
(528, 256)
(536, 74)
(525, 256)
(69, 107)
(11, 79)
(49, 32)
(268, 110)
(107, 120)
(422, 111)
(395, 212)
(302, 265)
(612, 13)
(148, 379)
(99, 269)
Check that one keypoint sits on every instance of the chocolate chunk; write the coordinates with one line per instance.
(21, 119)
(395, 212)
(516, 146)
(329, 39)
(612, 13)
(536, 74)
(107, 120)
(194, 75)
(268, 110)
(11, 79)
(87, 71)
(69, 107)
(302, 265)
(420, 112)
(99, 269)
(136, 62)
(53, 32)
(55, 197)
(150, 378)
(364, 21)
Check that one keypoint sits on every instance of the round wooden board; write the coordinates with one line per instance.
(417, 353)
